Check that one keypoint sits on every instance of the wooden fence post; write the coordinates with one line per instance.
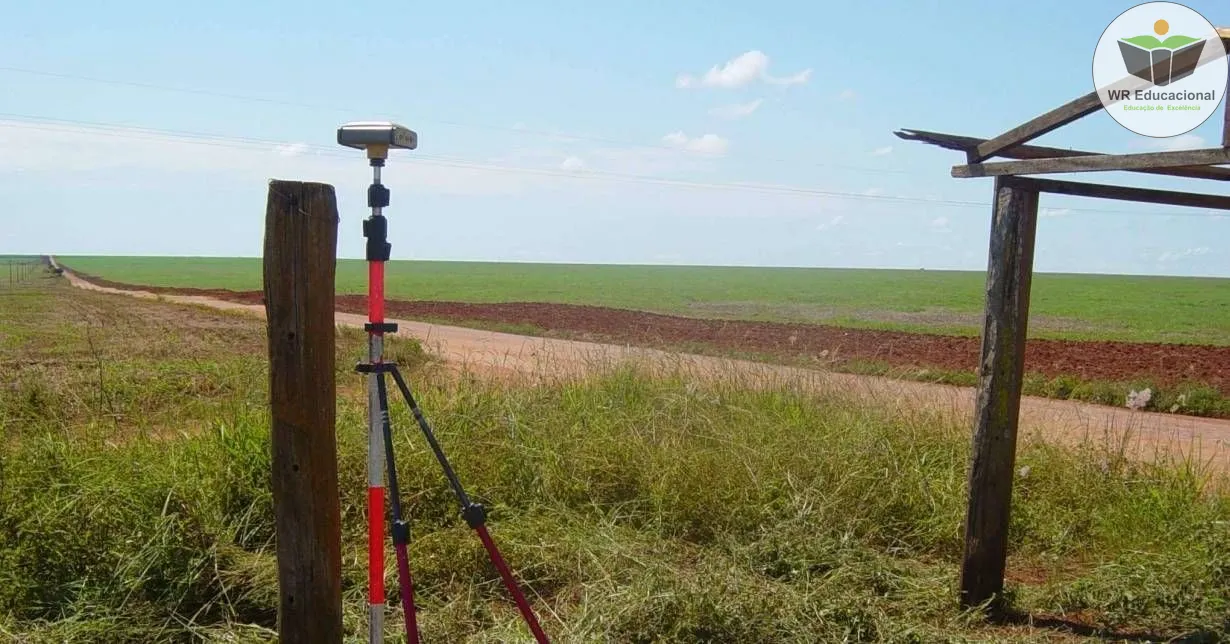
(1001, 370)
(299, 265)
(1225, 108)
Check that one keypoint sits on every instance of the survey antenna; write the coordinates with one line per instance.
(377, 138)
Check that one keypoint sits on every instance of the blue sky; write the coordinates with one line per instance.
(570, 132)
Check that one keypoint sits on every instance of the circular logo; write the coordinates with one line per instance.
(1160, 69)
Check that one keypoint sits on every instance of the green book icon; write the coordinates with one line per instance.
(1161, 62)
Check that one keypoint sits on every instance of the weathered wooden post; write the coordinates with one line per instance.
(299, 264)
(1001, 370)
(1225, 109)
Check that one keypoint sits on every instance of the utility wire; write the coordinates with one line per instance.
(23, 121)
(337, 109)
(28, 122)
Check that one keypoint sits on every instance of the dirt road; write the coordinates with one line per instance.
(1141, 434)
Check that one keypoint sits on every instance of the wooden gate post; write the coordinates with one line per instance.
(1001, 370)
(1225, 108)
(299, 264)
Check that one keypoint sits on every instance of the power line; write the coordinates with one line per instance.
(265, 145)
(250, 144)
(513, 130)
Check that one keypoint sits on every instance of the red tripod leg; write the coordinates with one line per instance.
(473, 513)
(511, 584)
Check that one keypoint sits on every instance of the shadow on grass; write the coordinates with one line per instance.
(1081, 629)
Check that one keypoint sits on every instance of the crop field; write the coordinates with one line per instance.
(1124, 308)
(1093, 338)
(135, 502)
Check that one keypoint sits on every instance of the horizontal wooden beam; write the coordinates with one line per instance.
(1097, 163)
(1120, 193)
(1075, 110)
(1052, 120)
(966, 143)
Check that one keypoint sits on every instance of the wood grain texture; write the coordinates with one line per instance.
(1225, 115)
(997, 406)
(299, 265)
(1120, 193)
(1072, 111)
(967, 143)
(1096, 163)
(1034, 128)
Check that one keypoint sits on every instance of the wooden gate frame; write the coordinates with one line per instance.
(1009, 273)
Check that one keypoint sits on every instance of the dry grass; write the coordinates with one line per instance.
(635, 506)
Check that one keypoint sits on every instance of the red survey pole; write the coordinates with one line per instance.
(376, 138)
(380, 441)
(377, 254)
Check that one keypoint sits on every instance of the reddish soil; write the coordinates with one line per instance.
(1163, 364)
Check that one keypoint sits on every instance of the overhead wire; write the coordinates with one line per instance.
(512, 130)
(34, 122)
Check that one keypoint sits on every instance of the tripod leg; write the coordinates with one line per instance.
(375, 513)
(523, 605)
(473, 513)
(398, 528)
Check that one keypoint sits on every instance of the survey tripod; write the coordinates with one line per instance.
(377, 138)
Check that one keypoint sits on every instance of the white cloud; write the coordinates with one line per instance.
(737, 110)
(1181, 142)
(884, 151)
(873, 192)
(1171, 256)
(648, 160)
(847, 95)
(705, 144)
(794, 79)
(677, 139)
(572, 163)
(740, 71)
(1054, 212)
(940, 222)
(291, 149)
(831, 223)
(88, 156)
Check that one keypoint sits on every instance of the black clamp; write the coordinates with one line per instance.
(379, 367)
(383, 327)
(377, 196)
(400, 532)
(474, 514)
(376, 230)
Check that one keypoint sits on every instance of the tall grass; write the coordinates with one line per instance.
(634, 507)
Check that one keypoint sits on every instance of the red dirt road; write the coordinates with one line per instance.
(1142, 435)
(1163, 364)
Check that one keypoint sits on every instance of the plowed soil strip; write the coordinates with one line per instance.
(1162, 364)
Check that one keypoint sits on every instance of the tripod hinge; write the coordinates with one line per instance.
(400, 532)
(474, 514)
(379, 367)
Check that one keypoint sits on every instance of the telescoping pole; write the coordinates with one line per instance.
(375, 229)
(376, 139)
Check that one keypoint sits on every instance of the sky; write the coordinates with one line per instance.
(684, 132)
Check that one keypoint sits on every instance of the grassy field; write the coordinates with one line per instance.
(134, 503)
(1138, 309)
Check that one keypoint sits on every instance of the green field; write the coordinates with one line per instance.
(135, 502)
(1111, 307)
